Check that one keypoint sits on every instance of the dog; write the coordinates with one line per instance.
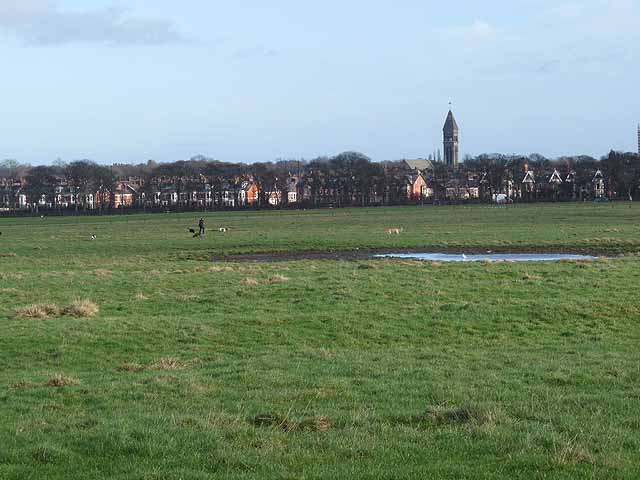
(394, 231)
(194, 232)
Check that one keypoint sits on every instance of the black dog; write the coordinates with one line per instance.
(195, 234)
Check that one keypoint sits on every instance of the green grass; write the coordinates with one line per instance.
(365, 369)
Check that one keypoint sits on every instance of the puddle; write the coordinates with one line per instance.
(489, 257)
(354, 255)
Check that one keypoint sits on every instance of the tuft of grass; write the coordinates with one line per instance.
(22, 385)
(278, 279)
(61, 381)
(39, 311)
(130, 367)
(168, 363)
(8, 255)
(572, 454)
(251, 282)
(188, 298)
(461, 415)
(287, 425)
(528, 277)
(316, 424)
(274, 421)
(141, 297)
(82, 309)
(219, 269)
(102, 273)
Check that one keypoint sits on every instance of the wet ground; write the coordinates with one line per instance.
(497, 257)
(473, 254)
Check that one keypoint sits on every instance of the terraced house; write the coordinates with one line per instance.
(349, 179)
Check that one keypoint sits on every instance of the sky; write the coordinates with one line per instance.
(126, 81)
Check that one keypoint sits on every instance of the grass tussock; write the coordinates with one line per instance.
(466, 415)
(102, 273)
(278, 279)
(572, 454)
(287, 425)
(528, 277)
(141, 297)
(130, 367)
(273, 421)
(82, 309)
(8, 255)
(22, 385)
(220, 269)
(251, 282)
(37, 311)
(316, 424)
(366, 266)
(78, 308)
(188, 298)
(168, 363)
(11, 276)
(61, 381)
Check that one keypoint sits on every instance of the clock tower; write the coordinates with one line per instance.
(451, 141)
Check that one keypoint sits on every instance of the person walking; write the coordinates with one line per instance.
(201, 225)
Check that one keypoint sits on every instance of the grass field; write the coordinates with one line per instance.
(192, 369)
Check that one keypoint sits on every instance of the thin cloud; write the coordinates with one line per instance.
(482, 30)
(478, 31)
(254, 52)
(44, 22)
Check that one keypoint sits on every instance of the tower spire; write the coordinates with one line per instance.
(451, 140)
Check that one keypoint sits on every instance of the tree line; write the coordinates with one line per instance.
(347, 179)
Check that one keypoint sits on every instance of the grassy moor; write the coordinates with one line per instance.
(146, 353)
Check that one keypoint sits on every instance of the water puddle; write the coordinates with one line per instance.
(489, 257)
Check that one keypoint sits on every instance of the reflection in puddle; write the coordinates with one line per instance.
(489, 257)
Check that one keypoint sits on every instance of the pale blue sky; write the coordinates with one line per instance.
(251, 80)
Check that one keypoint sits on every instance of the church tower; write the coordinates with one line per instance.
(451, 141)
